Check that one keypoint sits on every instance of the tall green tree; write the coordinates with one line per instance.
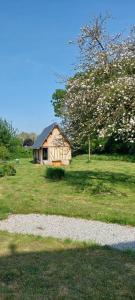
(8, 136)
(27, 135)
(58, 102)
(7, 133)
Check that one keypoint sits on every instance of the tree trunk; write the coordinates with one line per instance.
(89, 149)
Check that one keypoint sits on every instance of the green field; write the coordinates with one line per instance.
(103, 189)
(47, 269)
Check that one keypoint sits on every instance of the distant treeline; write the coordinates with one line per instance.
(107, 145)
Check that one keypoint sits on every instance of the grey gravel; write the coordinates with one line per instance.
(114, 235)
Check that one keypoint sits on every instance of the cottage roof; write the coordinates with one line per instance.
(44, 135)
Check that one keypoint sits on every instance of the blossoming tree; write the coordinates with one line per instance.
(101, 99)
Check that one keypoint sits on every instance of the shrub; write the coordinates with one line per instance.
(28, 142)
(9, 169)
(21, 152)
(4, 153)
(55, 173)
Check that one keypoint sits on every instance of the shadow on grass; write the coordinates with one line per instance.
(32, 161)
(86, 272)
(86, 178)
(126, 246)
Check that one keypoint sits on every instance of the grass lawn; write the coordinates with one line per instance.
(37, 268)
(103, 189)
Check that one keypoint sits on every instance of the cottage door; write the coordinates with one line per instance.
(45, 153)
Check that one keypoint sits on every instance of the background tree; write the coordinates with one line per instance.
(27, 135)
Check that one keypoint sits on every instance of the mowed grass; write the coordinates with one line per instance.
(103, 189)
(37, 268)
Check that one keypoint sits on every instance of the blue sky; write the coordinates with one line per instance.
(34, 48)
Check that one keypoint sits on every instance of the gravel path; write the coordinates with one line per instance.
(122, 237)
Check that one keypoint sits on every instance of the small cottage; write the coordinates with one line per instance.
(52, 147)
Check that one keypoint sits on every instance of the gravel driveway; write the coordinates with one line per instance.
(121, 237)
